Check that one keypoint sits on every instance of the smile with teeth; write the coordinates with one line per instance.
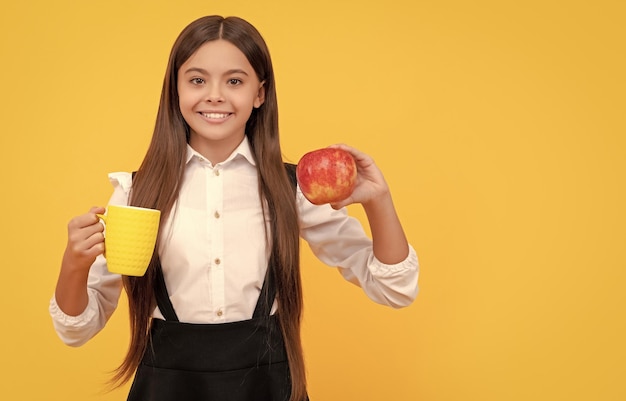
(215, 115)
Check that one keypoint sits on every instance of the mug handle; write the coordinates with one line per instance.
(104, 219)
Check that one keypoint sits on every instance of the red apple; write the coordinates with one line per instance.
(326, 175)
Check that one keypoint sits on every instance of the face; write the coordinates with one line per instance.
(217, 90)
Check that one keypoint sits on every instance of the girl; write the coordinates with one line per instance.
(217, 315)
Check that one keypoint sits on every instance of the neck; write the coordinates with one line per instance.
(215, 151)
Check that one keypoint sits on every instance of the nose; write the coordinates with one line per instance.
(214, 94)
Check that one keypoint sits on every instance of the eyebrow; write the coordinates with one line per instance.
(205, 72)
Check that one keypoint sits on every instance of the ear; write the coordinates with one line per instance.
(260, 98)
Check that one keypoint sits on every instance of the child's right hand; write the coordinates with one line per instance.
(85, 241)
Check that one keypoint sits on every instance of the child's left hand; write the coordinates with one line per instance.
(370, 183)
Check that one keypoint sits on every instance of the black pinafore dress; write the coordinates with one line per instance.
(239, 361)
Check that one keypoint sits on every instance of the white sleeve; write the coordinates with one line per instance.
(103, 288)
(104, 291)
(339, 240)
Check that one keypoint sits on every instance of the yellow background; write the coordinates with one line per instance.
(500, 127)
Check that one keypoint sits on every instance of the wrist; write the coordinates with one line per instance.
(381, 203)
(76, 270)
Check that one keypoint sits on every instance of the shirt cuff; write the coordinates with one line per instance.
(380, 269)
(69, 322)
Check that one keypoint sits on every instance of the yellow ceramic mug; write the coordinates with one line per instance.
(130, 236)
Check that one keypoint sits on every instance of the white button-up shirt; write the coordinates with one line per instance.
(214, 254)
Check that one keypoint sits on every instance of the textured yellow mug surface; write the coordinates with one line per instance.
(130, 236)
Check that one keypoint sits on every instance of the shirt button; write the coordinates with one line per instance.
(216, 172)
(220, 312)
(217, 214)
(217, 261)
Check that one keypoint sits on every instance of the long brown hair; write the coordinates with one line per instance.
(157, 183)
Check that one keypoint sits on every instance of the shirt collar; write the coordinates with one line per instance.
(243, 150)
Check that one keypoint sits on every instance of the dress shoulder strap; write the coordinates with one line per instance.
(291, 172)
